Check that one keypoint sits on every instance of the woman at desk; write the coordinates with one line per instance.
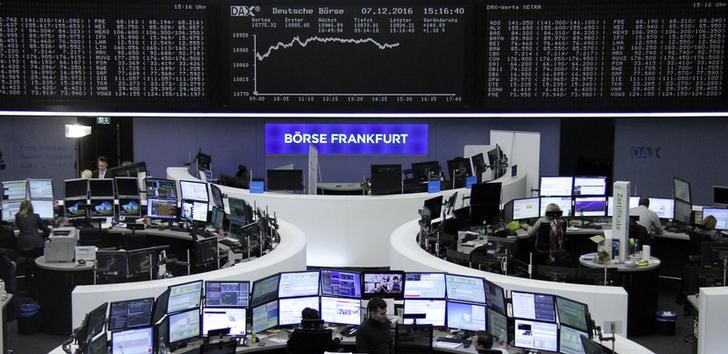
(709, 223)
(556, 229)
(30, 241)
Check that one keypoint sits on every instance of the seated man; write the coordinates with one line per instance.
(311, 337)
(373, 336)
(709, 223)
(647, 218)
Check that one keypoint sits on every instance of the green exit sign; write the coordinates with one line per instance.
(103, 120)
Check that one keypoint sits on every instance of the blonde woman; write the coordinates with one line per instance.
(30, 241)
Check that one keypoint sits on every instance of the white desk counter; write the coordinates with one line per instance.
(289, 255)
(348, 230)
(606, 303)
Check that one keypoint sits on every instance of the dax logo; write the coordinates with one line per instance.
(646, 152)
(244, 11)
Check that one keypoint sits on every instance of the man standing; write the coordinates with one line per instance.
(101, 163)
(373, 335)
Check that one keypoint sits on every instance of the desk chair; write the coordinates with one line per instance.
(413, 339)
(218, 348)
(481, 259)
(542, 245)
(310, 341)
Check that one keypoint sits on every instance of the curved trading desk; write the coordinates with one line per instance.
(289, 255)
(349, 230)
(606, 303)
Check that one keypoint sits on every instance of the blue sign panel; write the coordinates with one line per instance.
(256, 187)
(347, 139)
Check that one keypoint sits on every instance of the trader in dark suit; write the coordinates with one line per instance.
(102, 163)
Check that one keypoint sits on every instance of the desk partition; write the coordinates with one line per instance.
(606, 303)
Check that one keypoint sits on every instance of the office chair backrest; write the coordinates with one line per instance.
(309, 341)
(696, 240)
(218, 348)
(413, 339)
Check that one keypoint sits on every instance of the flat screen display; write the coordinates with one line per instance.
(76, 188)
(44, 208)
(683, 212)
(184, 296)
(194, 191)
(161, 188)
(130, 208)
(130, 314)
(101, 208)
(40, 188)
(194, 211)
(533, 306)
(162, 208)
(385, 284)
(10, 209)
(469, 317)
(564, 204)
(265, 290)
(75, 209)
(495, 297)
(265, 316)
(340, 284)
(137, 340)
(590, 206)
(498, 324)
(555, 186)
(222, 317)
(536, 335)
(434, 311)
(590, 185)
(570, 341)
(572, 313)
(721, 216)
(681, 189)
(101, 188)
(341, 311)
(298, 284)
(127, 186)
(527, 208)
(184, 325)
(464, 288)
(15, 190)
(226, 293)
(424, 286)
(289, 310)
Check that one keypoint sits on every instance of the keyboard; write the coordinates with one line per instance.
(454, 340)
(178, 229)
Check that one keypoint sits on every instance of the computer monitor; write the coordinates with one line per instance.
(434, 205)
(196, 191)
(165, 209)
(239, 209)
(127, 187)
(76, 188)
(224, 317)
(590, 206)
(555, 186)
(681, 189)
(143, 263)
(265, 290)
(495, 297)
(158, 188)
(97, 345)
(434, 311)
(720, 195)
(383, 284)
(74, 209)
(485, 193)
(572, 313)
(386, 179)
(265, 316)
(424, 171)
(459, 170)
(663, 207)
(285, 180)
(15, 190)
(424, 286)
(9, 209)
(498, 324)
(136, 340)
(160, 307)
(289, 310)
(44, 209)
(570, 340)
(184, 296)
(633, 202)
(217, 217)
(341, 311)
(564, 204)
(297, 284)
(131, 170)
(525, 208)
(683, 212)
(94, 324)
(130, 208)
(111, 266)
(101, 188)
(217, 199)
(184, 326)
(462, 288)
(194, 211)
(479, 166)
(340, 284)
(590, 185)
(536, 335)
(40, 189)
(101, 208)
(721, 216)
(533, 306)
(130, 313)
(227, 293)
(468, 317)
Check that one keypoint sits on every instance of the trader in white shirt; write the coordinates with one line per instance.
(101, 163)
(647, 217)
